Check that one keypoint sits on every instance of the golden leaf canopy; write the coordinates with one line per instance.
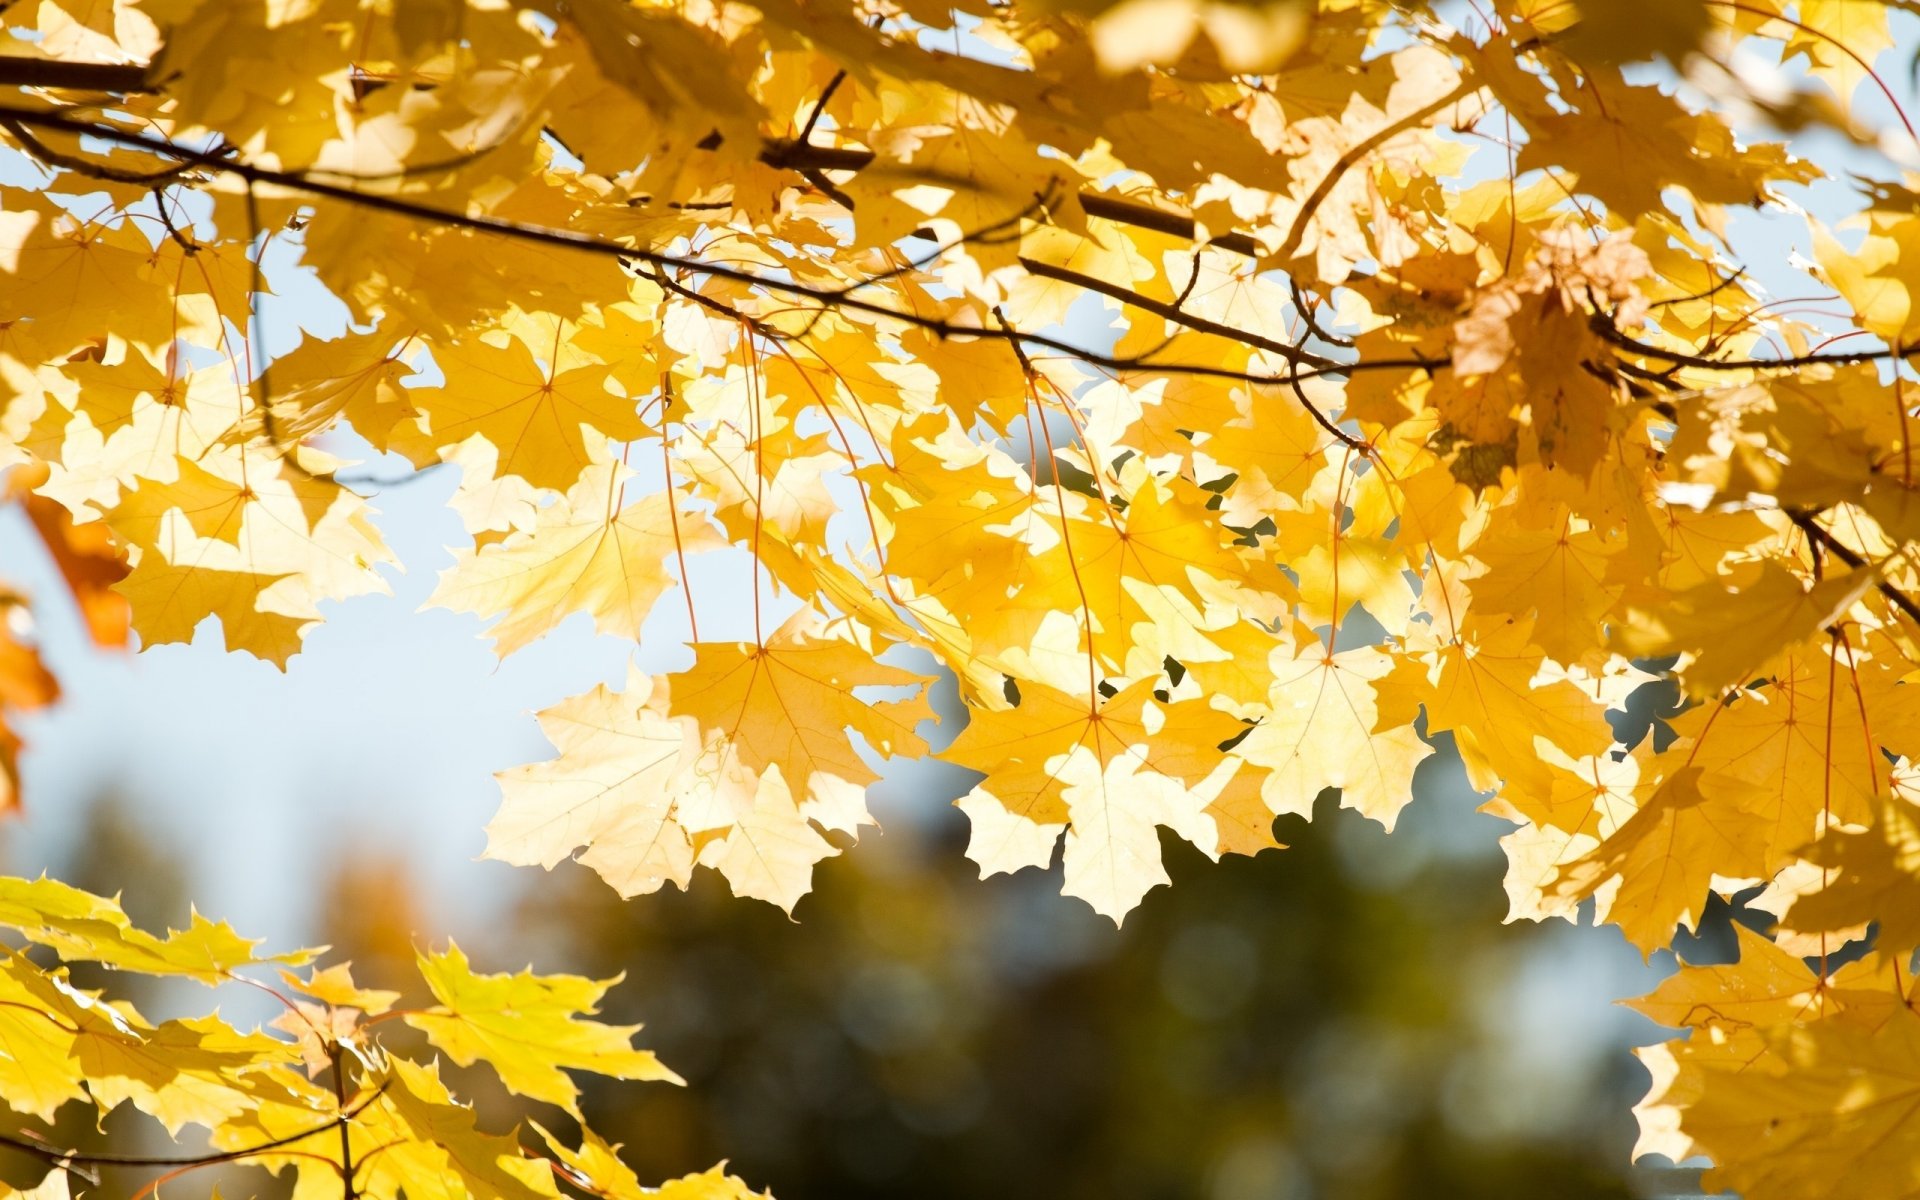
(1233, 397)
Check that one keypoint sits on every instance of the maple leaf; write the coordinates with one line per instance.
(83, 927)
(25, 683)
(1768, 986)
(194, 1070)
(40, 1072)
(598, 1164)
(442, 1148)
(1486, 689)
(1056, 763)
(170, 600)
(1801, 750)
(1172, 372)
(356, 378)
(1323, 730)
(788, 702)
(587, 553)
(1773, 612)
(1793, 1107)
(1666, 858)
(537, 417)
(1868, 875)
(756, 834)
(612, 790)
(527, 1027)
(86, 555)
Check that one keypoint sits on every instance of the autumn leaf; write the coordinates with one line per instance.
(1234, 400)
(789, 703)
(537, 417)
(527, 1027)
(586, 553)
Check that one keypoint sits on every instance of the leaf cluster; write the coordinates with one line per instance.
(1232, 397)
(317, 1094)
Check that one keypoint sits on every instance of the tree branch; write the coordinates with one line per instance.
(789, 154)
(23, 72)
(1847, 555)
(566, 239)
(346, 1134)
(59, 1157)
(1607, 332)
(92, 170)
(1171, 312)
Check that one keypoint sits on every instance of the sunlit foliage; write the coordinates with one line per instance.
(1231, 396)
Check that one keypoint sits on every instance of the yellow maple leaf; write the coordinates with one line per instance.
(1736, 630)
(531, 1029)
(1877, 278)
(789, 703)
(1055, 759)
(80, 926)
(1323, 729)
(588, 553)
(1769, 986)
(538, 417)
(1798, 1109)
(1666, 857)
(1803, 749)
(1867, 875)
(612, 790)
(598, 1165)
(432, 1146)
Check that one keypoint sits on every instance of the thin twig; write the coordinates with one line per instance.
(1302, 306)
(1682, 358)
(820, 106)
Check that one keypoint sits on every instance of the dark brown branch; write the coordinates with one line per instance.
(1606, 330)
(337, 1054)
(820, 106)
(84, 166)
(1325, 422)
(1145, 216)
(1302, 305)
(1172, 312)
(187, 245)
(788, 153)
(74, 76)
(1847, 555)
(61, 1158)
(798, 156)
(826, 187)
(589, 244)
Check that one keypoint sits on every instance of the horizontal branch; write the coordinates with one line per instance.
(797, 155)
(1682, 358)
(59, 1157)
(223, 161)
(1173, 312)
(24, 72)
(804, 156)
